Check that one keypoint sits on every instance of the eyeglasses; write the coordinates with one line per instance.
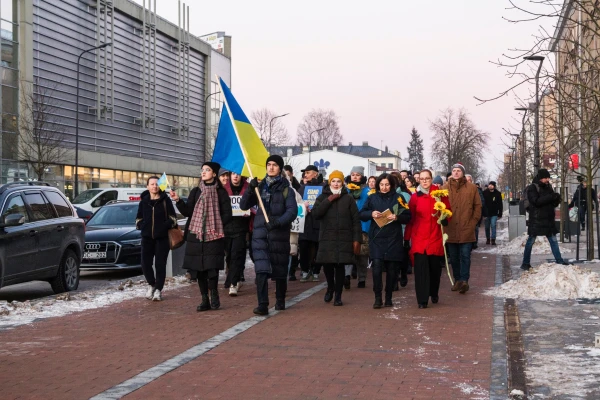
(425, 179)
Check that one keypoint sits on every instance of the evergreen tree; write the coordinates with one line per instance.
(416, 159)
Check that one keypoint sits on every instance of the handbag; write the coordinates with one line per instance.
(175, 234)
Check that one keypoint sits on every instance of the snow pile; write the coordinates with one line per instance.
(517, 246)
(551, 282)
(18, 313)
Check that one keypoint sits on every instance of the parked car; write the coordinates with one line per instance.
(41, 237)
(93, 199)
(85, 215)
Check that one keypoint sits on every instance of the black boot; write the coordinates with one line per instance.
(205, 305)
(261, 310)
(388, 300)
(328, 296)
(378, 303)
(338, 300)
(347, 282)
(280, 290)
(215, 302)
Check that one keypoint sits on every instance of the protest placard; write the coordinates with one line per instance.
(298, 224)
(310, 195)
(235, 207)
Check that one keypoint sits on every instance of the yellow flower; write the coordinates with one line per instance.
(439, 193)
(352, 186)
(446, 213)
(439, 206)
(371, 192)
(402, 203)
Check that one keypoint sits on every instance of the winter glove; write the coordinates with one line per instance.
(444, 222)
(272, 224)
(138, 224)
(356, 248)
(253, 184)
(407, 244)
(333, 197)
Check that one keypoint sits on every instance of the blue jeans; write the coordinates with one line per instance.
(460, 258)
(553, 245)
(491, 222)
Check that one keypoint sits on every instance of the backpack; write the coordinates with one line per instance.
(526, 203)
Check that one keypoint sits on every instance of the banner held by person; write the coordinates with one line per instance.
(310, 195)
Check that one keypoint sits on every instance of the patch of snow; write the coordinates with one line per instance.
(517, 246)
(517, 394)
(17, 313)
(473, 390)
(551, 281)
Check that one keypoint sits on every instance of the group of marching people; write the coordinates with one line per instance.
(387, 223)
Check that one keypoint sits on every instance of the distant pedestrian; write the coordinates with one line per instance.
(339, 236)
(411, 184)
(493, 211)
(417, 176)
(155, 216)
(385, 243)
(208, 209)
(224, 176)
(289, 171)
(271, 240)
(542, 200)
(483, 212)
(371, 182)
(359, 191)
(308, 241)
(466, 205)
(580, 201)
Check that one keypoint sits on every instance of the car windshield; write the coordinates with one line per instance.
(86, 196)
(121, 215)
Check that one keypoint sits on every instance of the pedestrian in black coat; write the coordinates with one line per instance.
(155, 216)
(580, 201)
(308, 241)
(208, 209)
(340, 234)
(385, 243)
(271, 240)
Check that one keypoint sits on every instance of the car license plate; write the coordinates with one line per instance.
(93, 256)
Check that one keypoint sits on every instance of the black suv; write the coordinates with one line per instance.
(41, 237)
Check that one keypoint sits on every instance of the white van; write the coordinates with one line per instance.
(93, 199)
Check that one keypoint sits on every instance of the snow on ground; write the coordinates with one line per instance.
(18, 313)
(517, 246)
(474, 391)
(551, 281)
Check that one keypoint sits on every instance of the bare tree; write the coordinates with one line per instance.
(456, 139)
(319, 128)
(272, 131)
(42, 133)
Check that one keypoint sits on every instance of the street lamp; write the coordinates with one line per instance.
(310, 141)
(271, 127)
(523, 143)
(536, 143)
(76, 189)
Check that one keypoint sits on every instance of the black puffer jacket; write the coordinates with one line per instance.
(385, 243)
(542, 202)
(271, 250)
(239, 226)
(340, 227)
(311, 225)
(493, 203)
(152, 220)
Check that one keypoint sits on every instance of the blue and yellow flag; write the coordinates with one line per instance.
(238, 147)
(163, 183)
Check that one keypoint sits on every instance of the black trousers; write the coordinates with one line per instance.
(208, 280)
(428, 271)
(335, 274)
(308, 253)
(235, 257)
(294, 265)
(391, 277)
(262, 289)
(155, 251)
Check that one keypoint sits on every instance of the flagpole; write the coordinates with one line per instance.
(237, 135)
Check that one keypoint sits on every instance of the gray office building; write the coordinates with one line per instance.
(142, 106)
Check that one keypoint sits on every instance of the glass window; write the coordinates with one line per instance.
(105, 198)
(119, 214)
(10, 76)
(9, 145)
(129, 178)
(8, 10)
(15, 205)
(9, 123)
(39, 207)
(390, 165)
(86, 196)
(60, 204)
(68, 172)
(10, 100)
(107, 176)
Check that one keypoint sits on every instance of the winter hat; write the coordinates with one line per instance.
(212, 165)
(311, 168)
(223, 171)
(438, 180)
(543, 173)
(276, 159)
(336, 174)
(358, 169)
(493, 184)
(459, 165)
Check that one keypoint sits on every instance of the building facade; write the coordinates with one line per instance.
(142, 106)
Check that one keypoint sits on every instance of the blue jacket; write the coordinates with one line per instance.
(364, 195)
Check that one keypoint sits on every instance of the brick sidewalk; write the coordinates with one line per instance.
(312, 350)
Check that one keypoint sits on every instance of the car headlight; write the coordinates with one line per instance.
(134, 242)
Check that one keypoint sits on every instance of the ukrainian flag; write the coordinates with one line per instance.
(238, 147)
(163, 182)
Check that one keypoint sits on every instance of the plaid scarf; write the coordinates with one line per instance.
(206, 220)
(266, 191)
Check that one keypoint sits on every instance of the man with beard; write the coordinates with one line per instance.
(308, 242)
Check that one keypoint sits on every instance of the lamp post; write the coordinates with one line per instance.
(536, 142)
(76, 172)
(310, 141)
(512, 172)
(271, 127)
(523, 143)
(514, 176)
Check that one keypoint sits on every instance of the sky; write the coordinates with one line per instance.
(382, 66)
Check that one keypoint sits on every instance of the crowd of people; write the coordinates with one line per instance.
(392, 224)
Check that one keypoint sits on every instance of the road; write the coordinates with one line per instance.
(89, 280)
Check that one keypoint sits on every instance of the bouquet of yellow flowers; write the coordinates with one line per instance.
(371, 192)
(353, 186)
(442, 213)
(400, 207)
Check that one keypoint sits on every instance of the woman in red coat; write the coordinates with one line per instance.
(425, 234)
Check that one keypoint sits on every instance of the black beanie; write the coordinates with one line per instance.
(213, 165)
(543, 173)
(276, 159)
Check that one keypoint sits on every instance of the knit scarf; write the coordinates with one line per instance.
(266, 192)
(335, 191)
(206, 221)
(423, 190)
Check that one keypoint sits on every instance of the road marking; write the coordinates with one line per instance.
(144, 378)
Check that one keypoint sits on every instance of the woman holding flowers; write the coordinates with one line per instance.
(385, 241)
(425, 233)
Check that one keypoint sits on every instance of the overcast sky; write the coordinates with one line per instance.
(383, 66)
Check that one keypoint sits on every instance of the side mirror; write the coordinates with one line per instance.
(13, 220)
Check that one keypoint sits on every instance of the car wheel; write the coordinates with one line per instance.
(67, 278)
